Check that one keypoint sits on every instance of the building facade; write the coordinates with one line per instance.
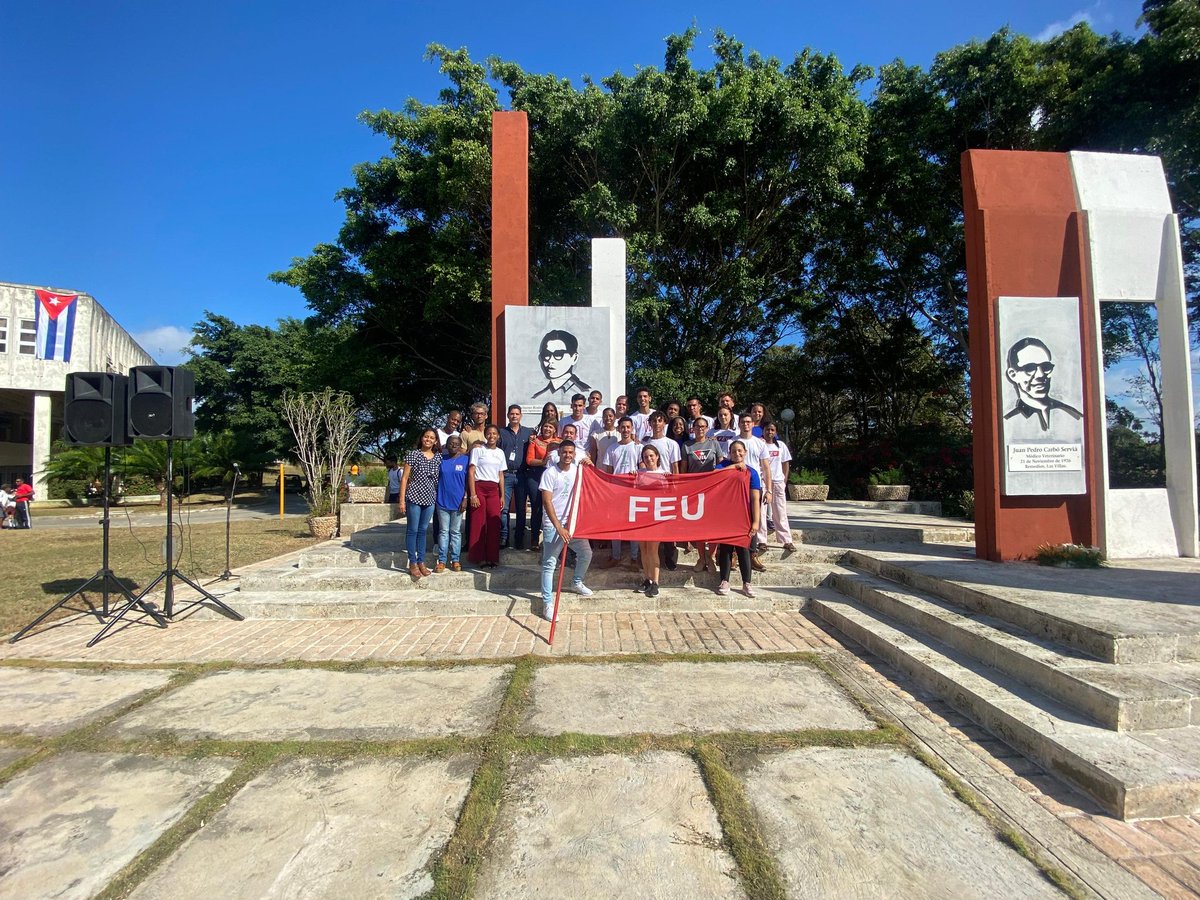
(32, 389)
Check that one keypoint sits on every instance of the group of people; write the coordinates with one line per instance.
(481, 472)
(14, 504)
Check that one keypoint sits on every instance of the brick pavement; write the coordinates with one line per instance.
(450, 637)
(1163, 854)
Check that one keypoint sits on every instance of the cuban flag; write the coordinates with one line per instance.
(55, 325)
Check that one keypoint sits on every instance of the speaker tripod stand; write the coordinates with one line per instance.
(169, 574)
(104, 578)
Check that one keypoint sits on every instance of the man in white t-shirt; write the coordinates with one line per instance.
(668, 448)
(621, 458)
(453, 426)
(579, 418)
(595, 402)
(695, 410)
(755, 452)
(557, 489)
(641, 417)
(581, 457)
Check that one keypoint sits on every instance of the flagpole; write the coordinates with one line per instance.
(572, 515)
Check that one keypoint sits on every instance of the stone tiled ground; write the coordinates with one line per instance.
(1163, 855)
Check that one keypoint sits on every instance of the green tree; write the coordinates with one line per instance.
(242, 371)
(408, 277)
(717, 178)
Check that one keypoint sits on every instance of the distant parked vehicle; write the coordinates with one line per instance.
(293, 484)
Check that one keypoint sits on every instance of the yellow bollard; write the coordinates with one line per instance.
(281, 490)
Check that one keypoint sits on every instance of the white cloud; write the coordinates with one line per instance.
(1056, 28)
(165, 343)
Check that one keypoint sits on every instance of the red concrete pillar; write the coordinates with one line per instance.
(1025, 238)
(510, 235)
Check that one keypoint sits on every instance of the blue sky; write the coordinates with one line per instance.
(166, 157)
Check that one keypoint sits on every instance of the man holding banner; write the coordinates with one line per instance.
(558, 492)
(584, 502)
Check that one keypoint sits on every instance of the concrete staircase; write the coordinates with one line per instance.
(366, 575)
(1126, 733)
(363, 574)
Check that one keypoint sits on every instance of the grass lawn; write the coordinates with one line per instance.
(42, 565)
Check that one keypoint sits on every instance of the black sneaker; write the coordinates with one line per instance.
(651, 589)
(643, 587)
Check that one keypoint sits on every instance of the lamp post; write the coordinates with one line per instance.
(788, 415)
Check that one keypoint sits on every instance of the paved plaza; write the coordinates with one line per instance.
(753, 774)
(706, 753)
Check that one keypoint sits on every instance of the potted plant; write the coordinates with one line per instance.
(327, 430)
(373, 488)
(887, 484)
(807, 484)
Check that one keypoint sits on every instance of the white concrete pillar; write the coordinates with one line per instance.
(41, 444)
(608, 289)
(1134, 256)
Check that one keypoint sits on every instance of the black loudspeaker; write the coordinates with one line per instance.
(160, 403)
(94, 410)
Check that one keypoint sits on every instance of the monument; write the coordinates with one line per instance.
(1051, 236)
(546, 353)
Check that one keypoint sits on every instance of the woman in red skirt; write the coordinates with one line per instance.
(484, 488)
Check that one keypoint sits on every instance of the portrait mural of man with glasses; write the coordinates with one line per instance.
(1029, 370)
(558, 354)
(552, 353)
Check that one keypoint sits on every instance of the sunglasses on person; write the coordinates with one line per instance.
(554, 354)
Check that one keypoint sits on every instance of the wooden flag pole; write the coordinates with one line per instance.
(572, 514)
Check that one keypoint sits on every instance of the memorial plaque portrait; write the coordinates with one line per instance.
(1041, 395)
(554, 352)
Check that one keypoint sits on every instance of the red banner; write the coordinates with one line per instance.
(652, 506)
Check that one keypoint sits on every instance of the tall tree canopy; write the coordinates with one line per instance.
(719, 179)
(762, 202)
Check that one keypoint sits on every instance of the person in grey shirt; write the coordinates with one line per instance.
(702, 455)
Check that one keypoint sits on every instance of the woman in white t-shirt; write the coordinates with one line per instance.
(484, 488)
(780, 460)
(650, 467)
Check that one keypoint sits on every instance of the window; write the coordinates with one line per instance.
(3, 338)
(28, 337)
(15, 429)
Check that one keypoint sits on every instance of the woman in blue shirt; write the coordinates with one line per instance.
(737, 460)
(451, 502)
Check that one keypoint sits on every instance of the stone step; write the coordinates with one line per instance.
(347, 554)
(367, 578)
(1125, 774)
(1106, 645)
(390, 536)
(1117, 697)
(891, 534)
(360, 604)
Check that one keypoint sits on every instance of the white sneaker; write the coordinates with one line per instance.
(723, 588)
(748, 590)
(582, 589)
(548, 610)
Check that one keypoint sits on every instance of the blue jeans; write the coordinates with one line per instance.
(510, 484)
(617, 546)
(417, 518)
(450, 533)
(552, 545)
